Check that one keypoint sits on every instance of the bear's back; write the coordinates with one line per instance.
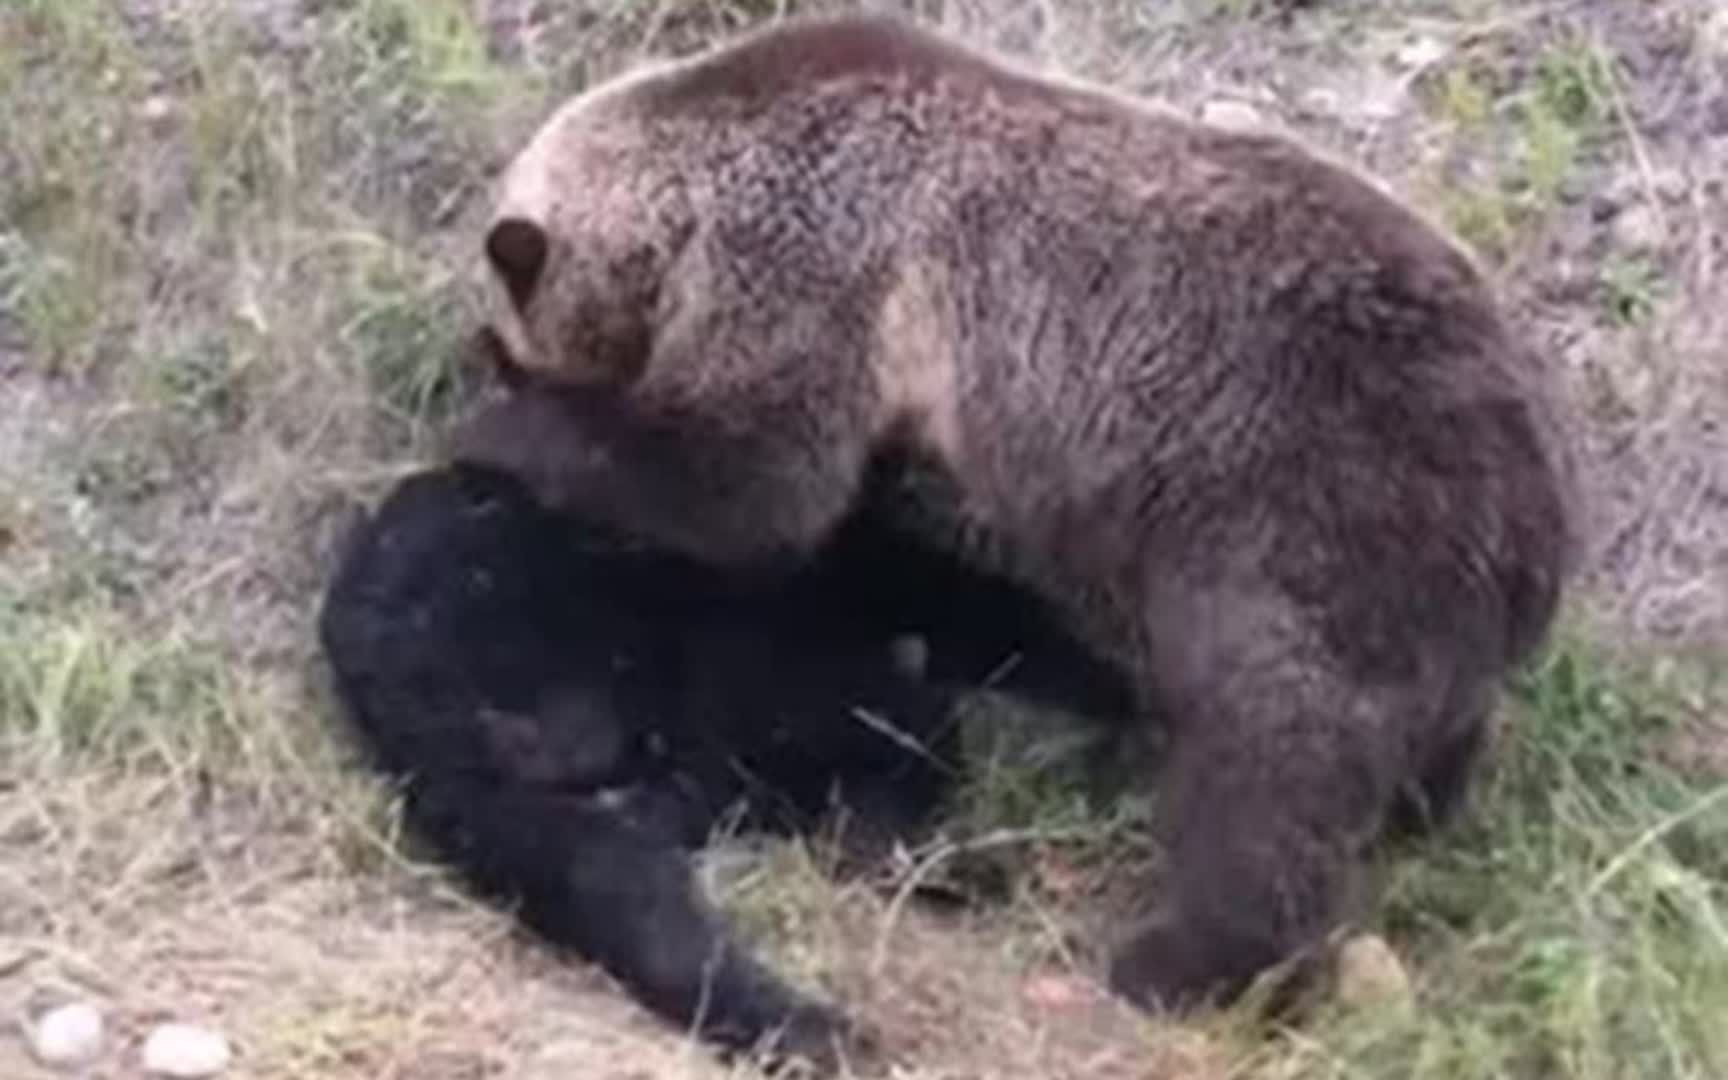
(801, 55)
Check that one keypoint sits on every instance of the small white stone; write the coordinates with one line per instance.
(69, 1035)
(1370, 973)
(1421, 53)
(157, 108)
(185, 1050)
(1232, 116)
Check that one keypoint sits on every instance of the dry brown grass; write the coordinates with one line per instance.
(236, 245)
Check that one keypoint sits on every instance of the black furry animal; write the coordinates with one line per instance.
(1260, 430)
(571, 713)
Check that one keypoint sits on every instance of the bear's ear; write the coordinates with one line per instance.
(517, 248)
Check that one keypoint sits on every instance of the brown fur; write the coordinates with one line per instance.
(1260, 429)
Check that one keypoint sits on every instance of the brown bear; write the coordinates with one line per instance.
(1259, 430)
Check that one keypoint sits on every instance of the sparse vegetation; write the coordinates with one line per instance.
(1563, 110)
(1630, 288)
(236, 259)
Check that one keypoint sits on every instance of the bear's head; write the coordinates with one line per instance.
(587, 222)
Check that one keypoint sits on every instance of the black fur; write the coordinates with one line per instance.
(571, 713)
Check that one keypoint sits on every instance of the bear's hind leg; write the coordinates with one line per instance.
(1282, 771)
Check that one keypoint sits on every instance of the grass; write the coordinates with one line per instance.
(1631, 288)
(236, 262)
(1573, 925)
(1526, 130)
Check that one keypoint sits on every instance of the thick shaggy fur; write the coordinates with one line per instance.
(572, 713)
(1258, 428)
